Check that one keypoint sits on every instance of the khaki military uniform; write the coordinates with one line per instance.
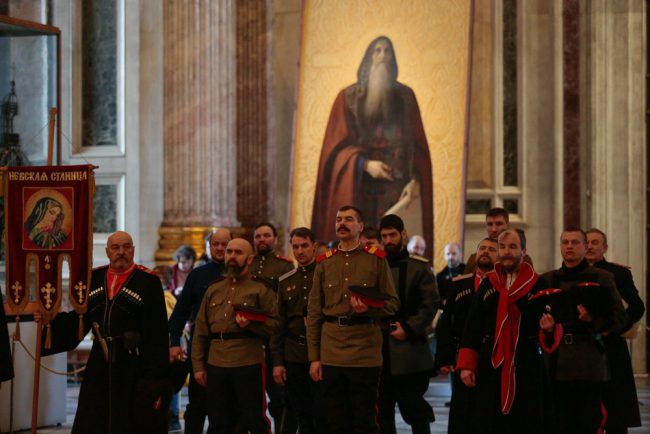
(215, 339)
(271, 266)
(293, 292)
(329, 339)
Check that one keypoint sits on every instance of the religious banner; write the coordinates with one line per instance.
(381, 118)
(48, 213)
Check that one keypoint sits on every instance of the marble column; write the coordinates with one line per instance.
(200, 156)
(614, 53)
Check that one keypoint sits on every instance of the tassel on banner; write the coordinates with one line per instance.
(48, 337)
(17, 330)
(81, 327)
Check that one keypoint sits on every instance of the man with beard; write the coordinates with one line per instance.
(289, 347)
(578, 361)
(236, 313)
(124, 389)
(408, 362)
(375, 151)
(497, 220)
(185, 310)
(450, 330)
(270, 266)
(619, 396)
(499, 353)
(455, 267)
(343, 335)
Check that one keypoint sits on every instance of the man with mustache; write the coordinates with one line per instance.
(236, 313)
(455, 267)
(343, 335)
(450, 330)
(185, 310)
(270, 266)
(408, 362)
(124, 389)
(578, 363)
(375, 152)
(619, 396)
(289, 346)
(499, 350)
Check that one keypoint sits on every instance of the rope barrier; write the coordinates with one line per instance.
(53, 371)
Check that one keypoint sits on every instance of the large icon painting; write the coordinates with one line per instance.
(381, 118)
(48, 218)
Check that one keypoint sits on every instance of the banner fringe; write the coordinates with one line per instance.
(48, 337)
(81, 333)
(17, 330)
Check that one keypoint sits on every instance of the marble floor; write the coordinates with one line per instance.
(437, 395)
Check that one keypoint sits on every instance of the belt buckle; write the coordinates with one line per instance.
(302, 340)
(568, 338)
(343, 320)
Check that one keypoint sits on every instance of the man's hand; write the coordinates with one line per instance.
(411, 191)
(202, 378)
(445, 370)
(176, 354)
(357, 305)
(547, 322)
(583, 314)
(398, 331)
(279, 374)
(316, 371)
(241, 321)
(379, 170)
(468, 377)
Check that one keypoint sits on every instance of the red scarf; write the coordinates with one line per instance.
(115, 280)
(506, 334)
(478, 278)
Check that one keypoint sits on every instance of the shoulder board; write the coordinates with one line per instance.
(375, 251)
(462, 276)
(326, 255)
(99, 268)
(621, 265)
(265, 280)
(284, 259)
(583, 284)
(419, 258)
(287, 274)
(145, 269)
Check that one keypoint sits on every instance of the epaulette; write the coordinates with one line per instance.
(284, 259)
(145, 269)
(419, 258)
(376, 251)
(265, 280)
(326, 255)
(287, 274)
(462, 276)
(621, 265)
(100, 267)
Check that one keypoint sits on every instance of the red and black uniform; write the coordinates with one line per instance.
(500, 344)
(129, 309)
(448, 333)
(619, 397)
(578, 363)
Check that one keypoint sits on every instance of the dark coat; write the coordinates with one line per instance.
(620, 397)
(6, 364)
(416, 288)
(531, 411)
(444, 278)
(121, 397)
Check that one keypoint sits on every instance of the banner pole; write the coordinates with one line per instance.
(50, 142)
(37, 376)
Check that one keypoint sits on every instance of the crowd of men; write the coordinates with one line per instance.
(338, 341)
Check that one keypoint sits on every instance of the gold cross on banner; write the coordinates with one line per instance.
(80, 287)
(47, 290)
(17, 288)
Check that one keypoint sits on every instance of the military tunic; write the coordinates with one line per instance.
(356, 345)
(620, 397)
(271, 266)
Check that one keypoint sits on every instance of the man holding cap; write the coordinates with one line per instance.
(343, 335)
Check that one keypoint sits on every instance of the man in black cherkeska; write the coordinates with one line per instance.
(124, 389)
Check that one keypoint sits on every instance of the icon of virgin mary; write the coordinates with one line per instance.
(44, 224)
